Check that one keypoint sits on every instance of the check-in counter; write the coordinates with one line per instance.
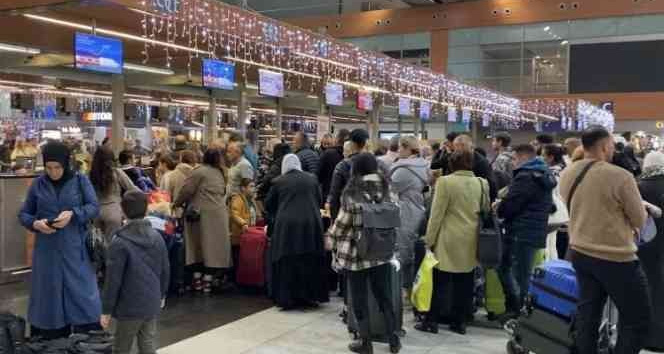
(16, 243)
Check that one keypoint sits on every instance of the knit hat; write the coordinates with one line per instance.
(134, 204)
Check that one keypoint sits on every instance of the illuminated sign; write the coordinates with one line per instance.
(167, 6)
(659, 125)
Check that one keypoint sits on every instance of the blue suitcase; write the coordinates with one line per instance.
(554, 288)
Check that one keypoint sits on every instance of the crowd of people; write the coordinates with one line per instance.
(314, 202)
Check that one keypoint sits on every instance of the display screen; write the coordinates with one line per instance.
(96, 53)
(271, 83)
(404, 106)
(218, 74)
(334, 94)
(425, 110)
(364, 101)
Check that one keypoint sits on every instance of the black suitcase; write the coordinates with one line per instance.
(377, 322)
(177, 259)
(536, 342)
(549, 325)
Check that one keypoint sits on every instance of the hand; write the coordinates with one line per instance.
(328, 208)
(245, 228)
(42, 227)
(63, 219)
(328, 243)
(105, 321)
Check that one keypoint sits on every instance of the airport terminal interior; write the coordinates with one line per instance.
(331, 176)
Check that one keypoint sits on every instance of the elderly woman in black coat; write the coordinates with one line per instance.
(297, 251)
(651, 185)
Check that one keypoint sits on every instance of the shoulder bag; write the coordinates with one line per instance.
(94, 240)
(489, 237)
(576, 183)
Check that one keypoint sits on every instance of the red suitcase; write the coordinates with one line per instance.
(251, 267)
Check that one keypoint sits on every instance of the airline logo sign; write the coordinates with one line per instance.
(167, 6)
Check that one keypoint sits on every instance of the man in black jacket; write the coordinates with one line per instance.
(341, 176)
(137, 276)
(329, 160)
(308, 157)
(526, 210)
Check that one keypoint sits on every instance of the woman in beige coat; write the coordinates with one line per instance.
(207, 236)
(452, 236)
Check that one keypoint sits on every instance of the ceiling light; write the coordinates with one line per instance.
(115, 33)
(565, 42)
(360, 87)
(148, 69)
(324, 60)
(312, 96)
(26, 84)
(538, 57)
(18, 49)
(547, 28)
(294, 72)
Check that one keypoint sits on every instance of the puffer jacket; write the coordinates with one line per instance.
(309, 159)
(529, 203)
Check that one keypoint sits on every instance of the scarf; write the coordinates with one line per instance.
(58, 152)
(290, 162)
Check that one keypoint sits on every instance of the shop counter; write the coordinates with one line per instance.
(16, 243)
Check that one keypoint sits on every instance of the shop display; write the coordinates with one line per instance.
(98, 53)
(218, 74)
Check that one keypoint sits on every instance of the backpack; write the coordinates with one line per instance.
(379, 236)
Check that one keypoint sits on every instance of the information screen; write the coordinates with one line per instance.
(334, 94)
(218, 74)
(95, 53)
(404, 106)
(364, 101)
(271, 83)
(425, 110)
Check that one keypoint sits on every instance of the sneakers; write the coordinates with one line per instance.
(427, 327)
(361, 346)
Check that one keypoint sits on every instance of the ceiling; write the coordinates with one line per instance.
(298, 8)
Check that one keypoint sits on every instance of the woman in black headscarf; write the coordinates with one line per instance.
(60, 203)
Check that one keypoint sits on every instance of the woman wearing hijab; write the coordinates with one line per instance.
(296, 245)
(651, 255)
(60, 203)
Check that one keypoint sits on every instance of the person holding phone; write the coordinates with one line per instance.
(64, 297)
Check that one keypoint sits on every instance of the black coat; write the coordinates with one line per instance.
(481, 168)
(309, 159)
(328, 162)
(529, 203)
(295, 200)
(137, 272)
(652, 260)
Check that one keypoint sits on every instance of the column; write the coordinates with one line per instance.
(242, 111)
(399, 123)
(278, 118)
(210, 132)
(416, 126)
(118, 111)
(439, 50)
(473, 131)
(423, 129)
(148, 127)
(373, 124)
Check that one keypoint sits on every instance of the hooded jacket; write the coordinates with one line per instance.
(529, 203)
(137, 272)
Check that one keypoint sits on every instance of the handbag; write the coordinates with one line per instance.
(489, 237)
(423, 285)
(192, 214)
(94, 239)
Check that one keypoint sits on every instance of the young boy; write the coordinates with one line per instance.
(242, 214)
(136, 279)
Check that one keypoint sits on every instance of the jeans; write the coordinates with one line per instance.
(381, 286)
(462, 285)
(627, 286)
(143, 330)
(515, 271)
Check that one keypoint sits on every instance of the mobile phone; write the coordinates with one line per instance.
(50, 222)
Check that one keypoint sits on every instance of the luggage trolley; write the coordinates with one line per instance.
(546, 324)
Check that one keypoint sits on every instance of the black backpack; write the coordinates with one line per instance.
(379, 236)
(12, 333)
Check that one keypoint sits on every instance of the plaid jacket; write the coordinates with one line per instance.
(349, 226)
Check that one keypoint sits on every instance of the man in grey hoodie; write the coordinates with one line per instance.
(137, 278)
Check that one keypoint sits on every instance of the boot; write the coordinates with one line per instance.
(207, 283)
(197, 284)
(395, 344)
(361, 346)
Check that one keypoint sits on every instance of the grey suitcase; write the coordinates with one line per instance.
(377, 322)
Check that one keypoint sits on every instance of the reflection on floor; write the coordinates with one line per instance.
(276, 332)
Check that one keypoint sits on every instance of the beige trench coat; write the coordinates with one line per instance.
(207, 241)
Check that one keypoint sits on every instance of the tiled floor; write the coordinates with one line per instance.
(321, 332)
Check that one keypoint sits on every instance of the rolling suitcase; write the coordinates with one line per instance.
(494, 295)
(554, 288)
(376, 319)
(251, 267)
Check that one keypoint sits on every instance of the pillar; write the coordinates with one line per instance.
(473, 131)
(242, 111)
(399, 123)
(373, 123)
(416, 126)
(279, 118)
(118, 112)
(148, 127)
(210, 132)
(423, 129)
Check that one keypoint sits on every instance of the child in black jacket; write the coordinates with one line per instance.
(137, 275)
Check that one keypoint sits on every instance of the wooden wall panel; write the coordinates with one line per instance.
(439, 50)
(474, 14)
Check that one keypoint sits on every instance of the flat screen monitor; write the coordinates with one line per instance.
(364, 101)
(95, 53)
(425, 110)
(218, 74)
(271, 83)
(334, 94)
(404, 106)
